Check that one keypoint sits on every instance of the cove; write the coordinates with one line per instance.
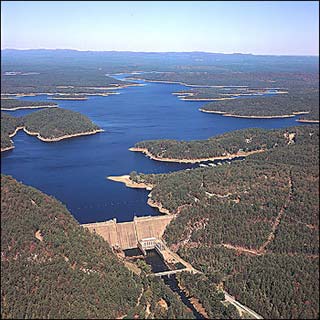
(75, 170)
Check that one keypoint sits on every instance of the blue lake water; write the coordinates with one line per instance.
(75, 170)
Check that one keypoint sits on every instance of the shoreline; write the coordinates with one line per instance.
(158, 205)
(29, 107)
(192, 96)
(7, 148)
(226, 114)
(206, 99)
(230, 156)
(34, 94)
(129, 183)
(187, 85)
(307, 121)
(67, 136)
(177, 82)
(10, 136)
(67, 98)
(37, 134)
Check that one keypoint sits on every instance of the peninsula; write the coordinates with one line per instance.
(14, 104)
(196, 160)
(268, 107)
(230, 145)
(48, 125)
(221, 93)
(261, 95)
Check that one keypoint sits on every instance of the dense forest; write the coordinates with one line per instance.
(8, 126)
(302, 88)
(49, 123)
(252, 226)
(218, 93)
(51, 268)
(220, 145)
(276, 105)
(254, 78)
(7, 104)
(71, 71)
(200, 286)
(57, 122)
(58, 79)
(27, 61)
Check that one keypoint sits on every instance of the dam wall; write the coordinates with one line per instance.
(126, 235)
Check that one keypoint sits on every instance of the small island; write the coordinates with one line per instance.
(48, 125)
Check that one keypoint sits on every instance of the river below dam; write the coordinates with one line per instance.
(75, 170)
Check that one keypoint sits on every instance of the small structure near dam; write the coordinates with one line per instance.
(142, 231)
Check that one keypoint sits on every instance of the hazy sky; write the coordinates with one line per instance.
(267, 27)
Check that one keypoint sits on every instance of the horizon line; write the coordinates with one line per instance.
(135, 51)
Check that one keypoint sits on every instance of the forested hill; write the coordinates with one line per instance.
(245, 140)
(278, 105)
(251, 226)
(52, 268)
(50, 124)
(8, 127)
(57, 122)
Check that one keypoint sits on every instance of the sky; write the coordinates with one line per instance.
(257, 27)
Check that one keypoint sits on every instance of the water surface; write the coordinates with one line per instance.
(74, 170)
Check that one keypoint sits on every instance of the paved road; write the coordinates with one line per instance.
(191, 269)
(238, 304)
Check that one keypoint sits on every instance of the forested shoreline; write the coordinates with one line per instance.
(299, 92)
(224, 145)
(51, 124)
(14, 104)
(277, 105)
(252, 226)
(51, 267)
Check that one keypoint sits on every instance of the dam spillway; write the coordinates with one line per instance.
(126, 235)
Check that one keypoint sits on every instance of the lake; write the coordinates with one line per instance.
(75, 170)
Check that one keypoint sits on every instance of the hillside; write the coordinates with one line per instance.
(51, 124)
(53, 268)
(55, 123)
(8, 127)
(252, 226)
(270, 106)
(247, 76)
(226, 145)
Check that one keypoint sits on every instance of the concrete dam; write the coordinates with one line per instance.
(127, 235)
